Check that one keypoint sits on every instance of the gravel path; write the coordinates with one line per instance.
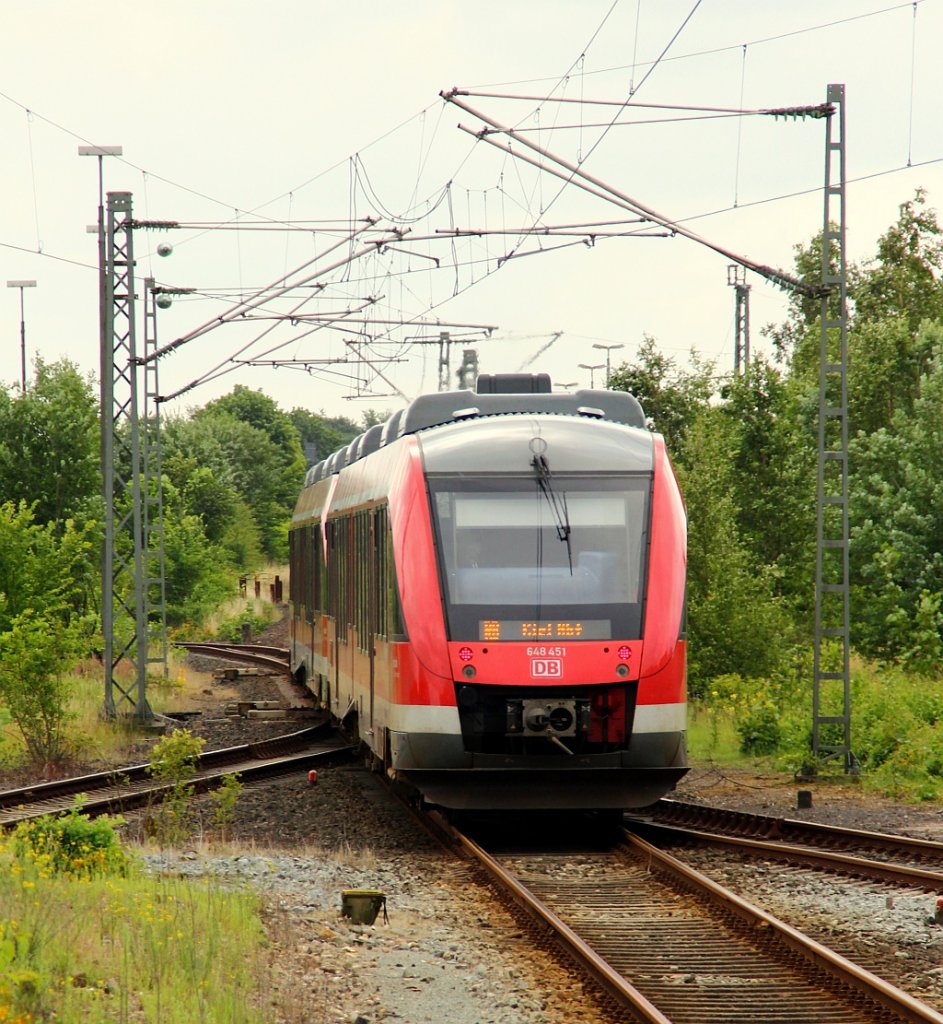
(448, 951)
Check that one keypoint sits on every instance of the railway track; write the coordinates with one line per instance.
(124, 788)
(274, 658)
(882, 857)
(669, 944)
(789, 830)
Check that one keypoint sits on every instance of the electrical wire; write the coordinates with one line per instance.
(759, 41)
(32, 168)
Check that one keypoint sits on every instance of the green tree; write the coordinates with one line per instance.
(35, 653)
(203, 483)
(670, 397)
(772, 466)
(903, 280)
(45, 570)
(896, 296)
(45, 625)
(321, 435)
(263, 451)
(199, 575)
(736, 624)
(885, 362)
(797, 340)
(897, 529)
(49, 444)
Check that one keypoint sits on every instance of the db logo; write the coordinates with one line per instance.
(546, 668)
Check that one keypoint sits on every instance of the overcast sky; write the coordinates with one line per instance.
(316, 116)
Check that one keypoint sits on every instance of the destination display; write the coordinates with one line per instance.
(544, 629)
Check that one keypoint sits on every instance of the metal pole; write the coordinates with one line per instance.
(831, 690)
(22, 342)
(608, 349)
(124, 615)
(22, 285)
(444, 374)
(152, 490)
(592, 371)
(736, 278)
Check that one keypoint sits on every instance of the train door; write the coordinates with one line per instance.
(346, 626)
(369, 642)
(334, 573)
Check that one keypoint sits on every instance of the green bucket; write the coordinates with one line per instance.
(363, 905)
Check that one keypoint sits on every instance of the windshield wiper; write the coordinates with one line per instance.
(557, 503)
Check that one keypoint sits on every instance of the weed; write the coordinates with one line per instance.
(71, 844)
(223, 800)
(174, 760)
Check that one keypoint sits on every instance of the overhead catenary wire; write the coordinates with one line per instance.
(269, 292)
(695, 54)
(810, 110)
(460, 263)
(612, 194)
(583, 157)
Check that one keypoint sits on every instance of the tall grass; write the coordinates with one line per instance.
(82, 947)
(92, 736)
(896, 727)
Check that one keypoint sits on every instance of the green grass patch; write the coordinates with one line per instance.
(91, 736)
(712, 735)
(896, 728)
(86, 938)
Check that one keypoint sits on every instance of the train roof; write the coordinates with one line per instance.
(493, 397)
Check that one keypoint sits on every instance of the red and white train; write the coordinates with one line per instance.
(489, 591)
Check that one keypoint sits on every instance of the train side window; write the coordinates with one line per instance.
(381, 530)
(361, 558)
(335, 572)
(317, 570)
(293, 570)
(307, 569)
(397, 626)
(345, 577)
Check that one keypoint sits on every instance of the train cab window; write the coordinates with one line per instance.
(518, 563)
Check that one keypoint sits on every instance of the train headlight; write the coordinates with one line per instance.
(466, 653)
(469, 671)
(622, 670)
(624, 652)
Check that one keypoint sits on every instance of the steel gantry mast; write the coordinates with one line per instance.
(737, 279)
(124, 607)
(155, 588)
(831, 697)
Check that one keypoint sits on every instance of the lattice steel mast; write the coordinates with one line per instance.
(831, 696)
(124, 611)
(737, 279)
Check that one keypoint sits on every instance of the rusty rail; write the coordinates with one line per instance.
(685, 949)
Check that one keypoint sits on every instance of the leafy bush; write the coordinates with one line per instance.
(33, 654)
(231, 629)
(224, 800)
(896, 723)
(759, 729)
(72, 844)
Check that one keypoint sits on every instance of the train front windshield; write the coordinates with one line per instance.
(521, 560)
